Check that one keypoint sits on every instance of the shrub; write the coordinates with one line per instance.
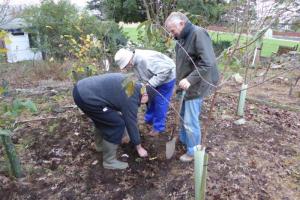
(219, 46)
(152, 36)
(52, 21)
(5, 39)
(94, 53)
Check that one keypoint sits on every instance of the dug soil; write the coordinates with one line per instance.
(257, 160)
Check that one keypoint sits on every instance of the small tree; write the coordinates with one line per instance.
(49, 21)
(8, 115)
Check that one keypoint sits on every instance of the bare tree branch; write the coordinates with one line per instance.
(4, 11)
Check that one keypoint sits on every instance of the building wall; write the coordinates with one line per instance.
(19, 49)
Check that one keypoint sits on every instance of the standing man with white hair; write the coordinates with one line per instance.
(158, 70)
(196, 73)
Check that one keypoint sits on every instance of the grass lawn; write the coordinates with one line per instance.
(131, 33)
(269, 45)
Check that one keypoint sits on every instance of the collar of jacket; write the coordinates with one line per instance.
(186, 30)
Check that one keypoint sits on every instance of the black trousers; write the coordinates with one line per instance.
(109, 121)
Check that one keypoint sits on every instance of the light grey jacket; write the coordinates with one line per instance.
(153, 67)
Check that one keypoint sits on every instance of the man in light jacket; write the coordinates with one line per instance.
(196, 73)
(158, 71)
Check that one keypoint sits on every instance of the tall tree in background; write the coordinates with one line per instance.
(158, 10)
(235, 12)
(4, 11)
(95, 4)
(207, 11)
(119, 10)
(96, 7)
(53, 21)
(49, 21)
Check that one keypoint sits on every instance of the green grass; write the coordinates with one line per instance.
(132, 33)
(269, 45)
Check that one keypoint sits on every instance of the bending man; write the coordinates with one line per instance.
(158, 70)
(103, 99)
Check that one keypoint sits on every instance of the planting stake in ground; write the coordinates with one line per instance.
(203, 181)
(242, 99)
(200, 174)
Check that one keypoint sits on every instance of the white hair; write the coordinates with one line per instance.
(176, 18)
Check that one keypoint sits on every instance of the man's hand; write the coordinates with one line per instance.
(184, 84)
(141, 151)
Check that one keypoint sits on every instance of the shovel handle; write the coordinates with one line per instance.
(177, 118)
(181, 101)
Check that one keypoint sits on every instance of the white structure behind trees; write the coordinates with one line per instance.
(21, 46)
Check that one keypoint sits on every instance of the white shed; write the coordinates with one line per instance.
(20, 47)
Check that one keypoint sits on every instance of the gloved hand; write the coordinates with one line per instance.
(141, 151)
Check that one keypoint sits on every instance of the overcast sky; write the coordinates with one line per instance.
(80, 3)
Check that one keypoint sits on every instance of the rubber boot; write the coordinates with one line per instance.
(98, 140)
(109, 157)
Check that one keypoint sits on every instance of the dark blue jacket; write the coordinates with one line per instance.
(107, 91)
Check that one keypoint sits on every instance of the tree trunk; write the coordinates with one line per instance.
(147, 10)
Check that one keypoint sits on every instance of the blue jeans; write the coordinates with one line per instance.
(190, 133)
(156, 113)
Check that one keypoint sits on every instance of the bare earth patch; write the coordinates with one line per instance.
(258, 160)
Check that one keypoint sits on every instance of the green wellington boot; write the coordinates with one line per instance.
(98, 140)
(109, 156)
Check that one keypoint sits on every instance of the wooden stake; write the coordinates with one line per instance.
(203, 181)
